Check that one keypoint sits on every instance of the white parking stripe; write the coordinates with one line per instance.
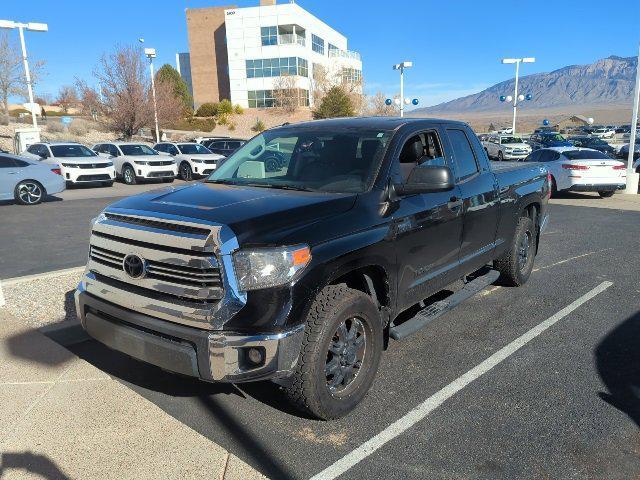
(425, 408)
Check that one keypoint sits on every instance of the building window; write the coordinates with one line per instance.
(269, 98)
(351, 75)
(317, 44)
(331, 46)
(269, 35)
(277, 67)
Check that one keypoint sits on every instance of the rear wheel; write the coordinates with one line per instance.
(515, 265)
(340, 353)
(29, 192)
(606, 194)
(129, 175)
(271, 164)
(554, 187)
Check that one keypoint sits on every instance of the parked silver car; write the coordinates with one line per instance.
(27, 181)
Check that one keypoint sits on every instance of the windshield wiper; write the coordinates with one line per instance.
(222, 182)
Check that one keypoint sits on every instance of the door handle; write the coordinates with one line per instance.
(454, 203)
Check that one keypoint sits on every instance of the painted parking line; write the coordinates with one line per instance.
(425, 408)
(570, 259)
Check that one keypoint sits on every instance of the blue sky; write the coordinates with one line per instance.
(455, 45)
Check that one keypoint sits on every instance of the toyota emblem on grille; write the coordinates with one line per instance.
(134, 266)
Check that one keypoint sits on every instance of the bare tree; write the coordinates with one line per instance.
(324, 79)
(122, 101)
(377, 106)
(12, 80)
(286, 93)
(67, 97)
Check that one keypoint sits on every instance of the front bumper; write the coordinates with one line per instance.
(515, 156)
(597, 187)
(206, 354)
(88, 175)
(203, 169)
(156, 171)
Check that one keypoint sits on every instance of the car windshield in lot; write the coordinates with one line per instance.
(71, 151)
(511, 140)
(135, 150)
(193, 149)
(556, 137)
(325, 160)
(585, 155)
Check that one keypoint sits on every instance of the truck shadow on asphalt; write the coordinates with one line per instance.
(617, 358)
(29, 462)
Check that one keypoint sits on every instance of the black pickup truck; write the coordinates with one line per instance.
(299, 275)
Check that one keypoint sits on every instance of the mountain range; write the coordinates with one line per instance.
(604, 83)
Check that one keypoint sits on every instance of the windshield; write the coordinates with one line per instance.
(556, 137)
(71, 151)
(504, 140)
(341, 160)
(136, 150)
(193, 149)
(585, 155)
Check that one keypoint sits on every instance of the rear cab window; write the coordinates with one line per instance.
(464, 157)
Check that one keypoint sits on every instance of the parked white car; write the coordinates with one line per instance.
(78, 164)
(604, 132)
(193, 160)
(136, 161)
(581, 170)
(28, 181)
(506, 147)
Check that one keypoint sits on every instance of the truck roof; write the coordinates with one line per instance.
(386, 123)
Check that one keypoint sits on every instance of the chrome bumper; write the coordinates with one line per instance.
(219, 356)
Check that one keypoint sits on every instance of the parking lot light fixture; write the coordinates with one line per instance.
(517, 61)
(151, 54)
(33, 27)
(401, 67)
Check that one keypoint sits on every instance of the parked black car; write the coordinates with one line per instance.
(623, 153)
(301, 276)
(593, 143)
(224, 146)
(547, 139)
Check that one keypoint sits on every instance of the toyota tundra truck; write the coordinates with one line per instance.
(299, 275)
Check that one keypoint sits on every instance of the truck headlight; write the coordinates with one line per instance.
(269, 267)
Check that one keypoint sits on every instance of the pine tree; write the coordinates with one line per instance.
(336, 103)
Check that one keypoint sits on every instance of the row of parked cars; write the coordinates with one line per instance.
(581, 163)
(49, 167)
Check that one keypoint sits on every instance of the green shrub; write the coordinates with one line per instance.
(223, 120)
(195, 124)
(238, 110)
(336, 103)
(232, 127)
(259, 126)
(208, 110)
(54, 113)
(17, 111)
(225, 107)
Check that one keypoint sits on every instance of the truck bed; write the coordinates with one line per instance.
(499, 167)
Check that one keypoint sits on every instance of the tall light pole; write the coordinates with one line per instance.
(401, 67)
(32, 27)
(517, 61)
(632, 176)
(151, 54)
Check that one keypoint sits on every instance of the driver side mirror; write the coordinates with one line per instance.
(427, 179)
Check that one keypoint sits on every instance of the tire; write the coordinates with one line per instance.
(516, 264)
(606, 194)
(500, 156)
(309, 389)
(107, 184)
(554, 188)
(185, 172)
(271, 164)
(129, 175)
(29, 192)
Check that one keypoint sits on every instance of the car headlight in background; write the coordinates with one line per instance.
(198, 160)
(109, 164)
(269, 267)
(140, 162)
(70, 165)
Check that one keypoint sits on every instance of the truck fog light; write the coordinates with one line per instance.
(256, 356)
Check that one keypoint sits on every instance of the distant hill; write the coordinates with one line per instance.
(606, 82)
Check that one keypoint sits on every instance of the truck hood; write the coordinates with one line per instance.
(257, 216)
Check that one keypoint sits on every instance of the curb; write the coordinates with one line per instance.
(36, 276)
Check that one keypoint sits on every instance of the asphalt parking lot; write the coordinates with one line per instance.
(563, 404)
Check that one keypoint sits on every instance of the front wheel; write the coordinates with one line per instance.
(515, 265)
(129, 175)
(340, 353)
(500, 156)
(186, 173)
(606, 194)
